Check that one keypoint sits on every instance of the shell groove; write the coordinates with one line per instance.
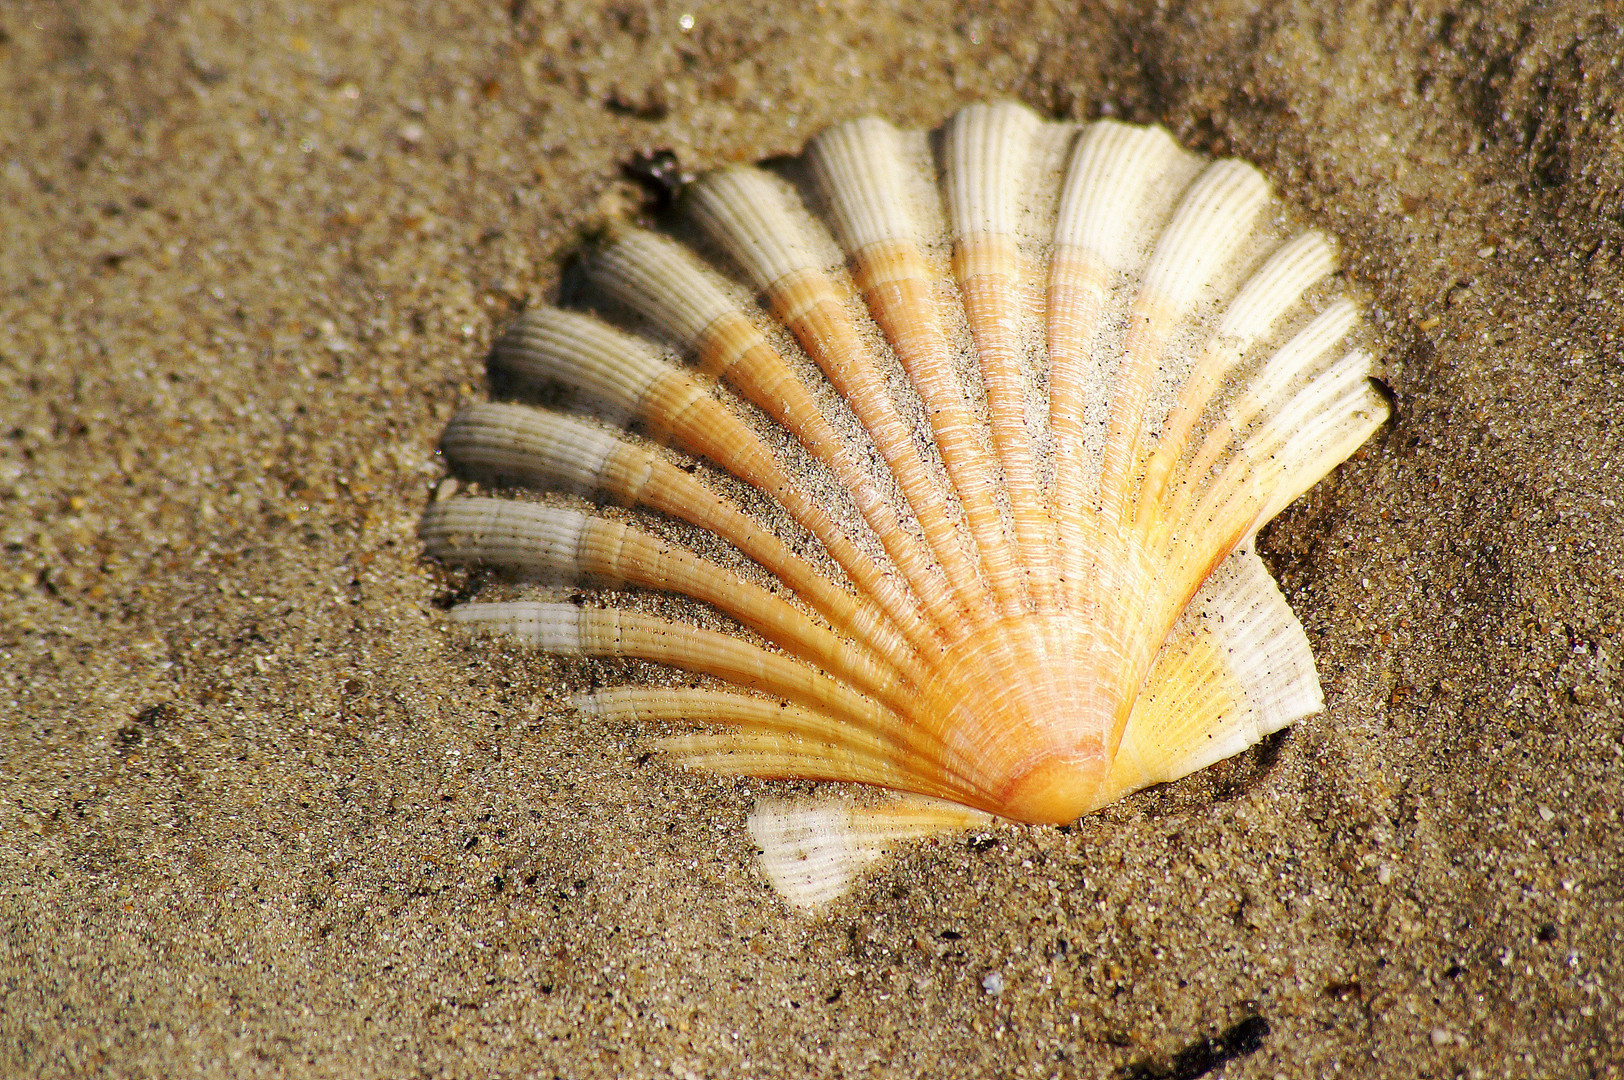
(1025, 392)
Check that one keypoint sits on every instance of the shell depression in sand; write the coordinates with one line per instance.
(1014, 397)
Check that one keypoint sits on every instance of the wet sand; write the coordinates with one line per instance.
(262, 813)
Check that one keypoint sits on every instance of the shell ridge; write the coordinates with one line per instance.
(535, 447)
(737, 711)
(612, 370)
(660, 280)
(1338, 411)
(1262, 417)
(721, 438)
(851, 166)
(1119, 179)
(746, 211)
(757, 222)
(567, 542)
(881, 239)
(553, 344)
(768, 383)
(988, 151)
(1213, 464)
(1344, 426)
(1212, 218)
(538, 446)
(505, 532)
(552, 628)
(568, 630)
(731, 347)
(1264, 298)
(775, 755)
(1207, 229)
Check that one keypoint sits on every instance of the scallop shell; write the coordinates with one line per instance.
(1020, 394)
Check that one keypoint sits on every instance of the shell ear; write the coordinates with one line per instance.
(1236, 668)
(814, 849)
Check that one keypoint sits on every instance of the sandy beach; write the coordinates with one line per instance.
(264, 813)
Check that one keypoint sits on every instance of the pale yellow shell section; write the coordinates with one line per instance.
(1028, 388)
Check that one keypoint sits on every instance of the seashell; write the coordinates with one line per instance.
(1020, 394)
